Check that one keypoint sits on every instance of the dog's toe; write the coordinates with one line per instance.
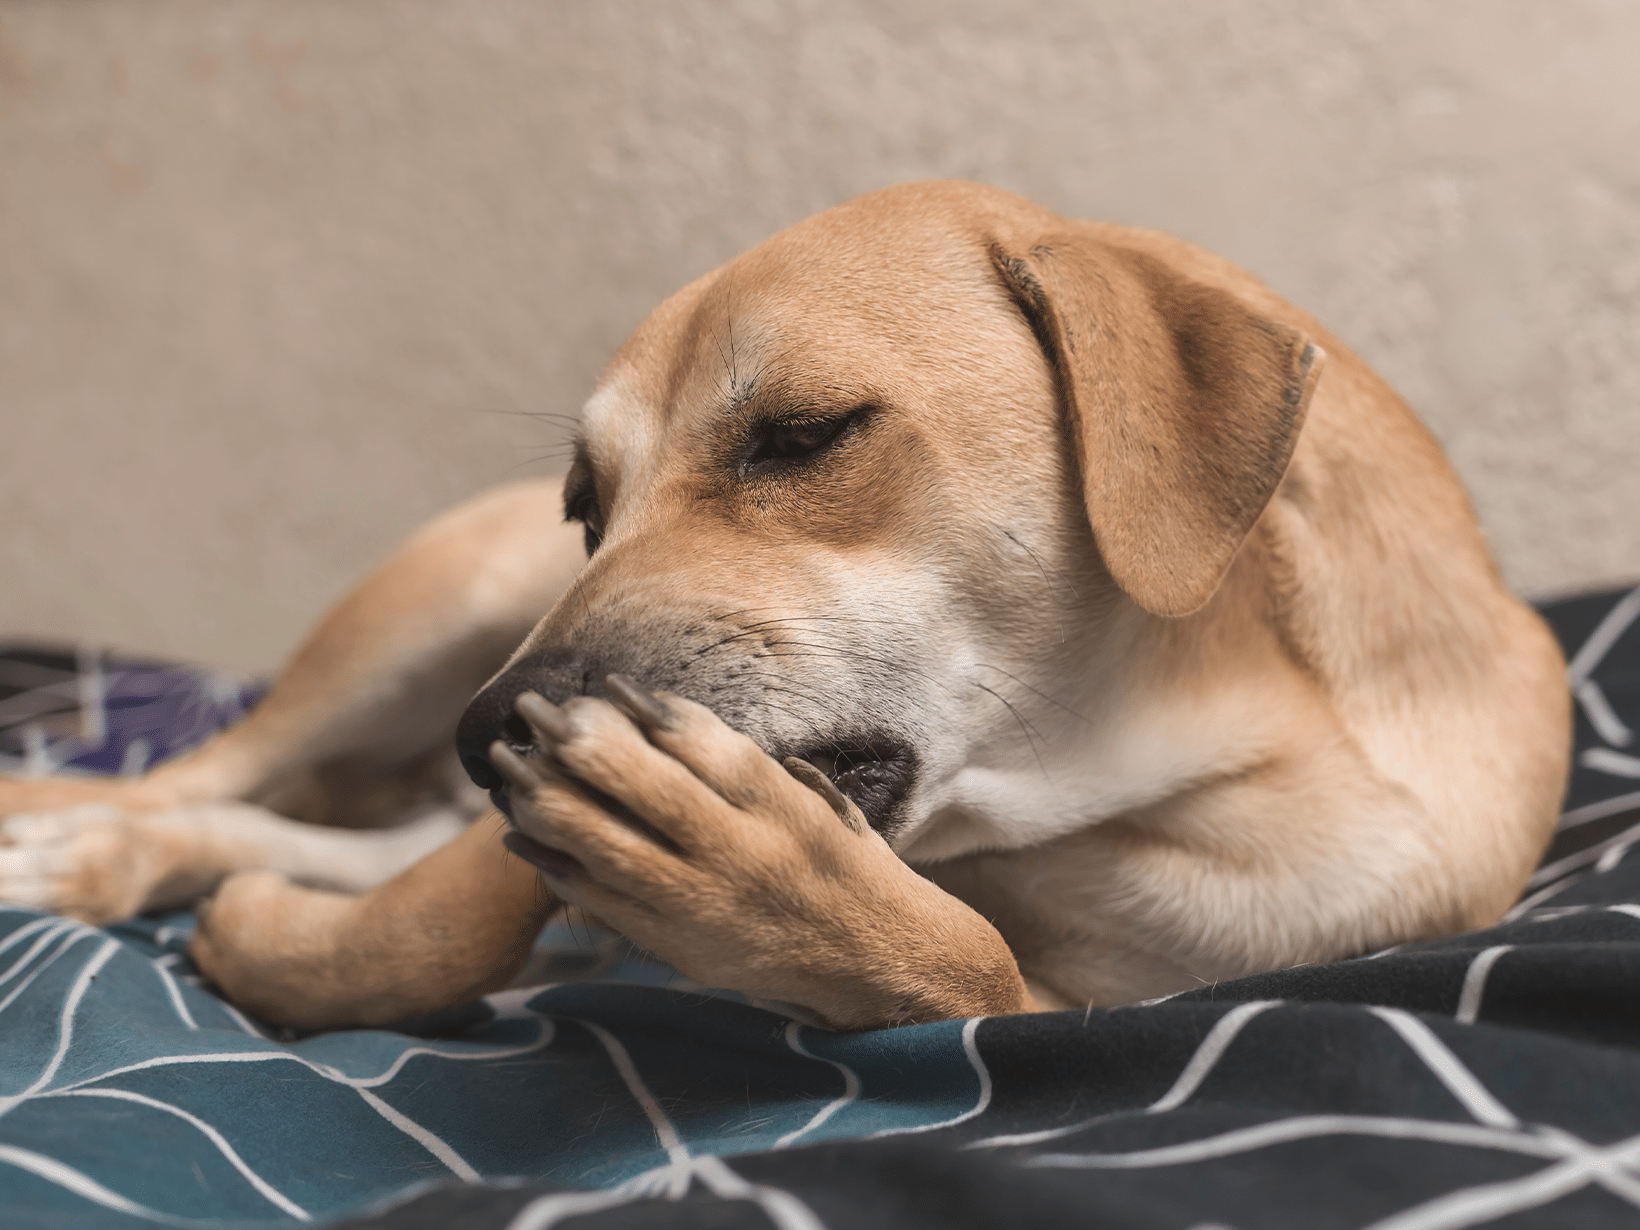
(87, 862)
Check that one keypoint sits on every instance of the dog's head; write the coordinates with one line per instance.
(885, 491)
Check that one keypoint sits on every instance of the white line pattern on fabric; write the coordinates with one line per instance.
(1447, 1067)
(665, 1133)
(174, 991)
(543, 1040)
(513, 1004)
(1210, 1051)
(1604, 636)
(425, 1137)
(1528, 904)
(671, 1182)
(49, 936)
(851, 1086)
(1577, 1164)
(1300, 1127)
(1554, 913)
(1474, 983)
(1601, 715)
(1615, 764)
(1196, 1069)
(272, 1194)
(323, 1069)
(1582, 858)
(422, 1135)
(785, 1210)
(1471, 1206)
(22, 933)
(243, 1021)
(65, 1023)
(70, 937)
(971, 1049)
(1611, 858)
(1559, 875)
(1038, 1137)
(1591, 812)
(1616, 1180)
(65, 1176)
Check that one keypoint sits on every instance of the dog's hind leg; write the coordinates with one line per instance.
(385, 675)
(96, 863)
(457, 925)
(371, 695)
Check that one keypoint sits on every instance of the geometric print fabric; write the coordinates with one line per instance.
(1485, 1079)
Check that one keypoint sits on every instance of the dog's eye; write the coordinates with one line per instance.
(583, 507)
(795, 440)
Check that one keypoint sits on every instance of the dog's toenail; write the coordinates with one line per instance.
(822, 785)
(544, 858)
(639, 703)
(547, 718)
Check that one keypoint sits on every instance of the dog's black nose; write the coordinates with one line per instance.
(490, 716)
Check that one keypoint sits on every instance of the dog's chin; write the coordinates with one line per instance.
(875, 774)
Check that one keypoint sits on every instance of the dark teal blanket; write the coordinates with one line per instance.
(132, 1094)
(1489, 1079)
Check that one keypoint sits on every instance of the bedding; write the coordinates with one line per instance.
(1484, 1079)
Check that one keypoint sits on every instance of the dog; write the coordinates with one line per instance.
(960, 610)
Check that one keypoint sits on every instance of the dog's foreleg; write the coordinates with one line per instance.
(456, 925)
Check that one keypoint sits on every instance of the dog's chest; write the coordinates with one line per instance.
(1075, 915)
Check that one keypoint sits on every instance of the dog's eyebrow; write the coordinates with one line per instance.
(772, 396)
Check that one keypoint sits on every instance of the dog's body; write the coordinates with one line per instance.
(1005, 522)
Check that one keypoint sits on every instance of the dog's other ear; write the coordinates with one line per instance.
(1184, 407)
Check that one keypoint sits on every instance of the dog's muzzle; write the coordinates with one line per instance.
(873, 769)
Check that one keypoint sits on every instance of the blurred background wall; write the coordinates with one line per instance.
(280, 278)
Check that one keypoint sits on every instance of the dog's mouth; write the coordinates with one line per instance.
(873, 774)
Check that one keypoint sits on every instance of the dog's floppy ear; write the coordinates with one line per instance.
(1184, 408)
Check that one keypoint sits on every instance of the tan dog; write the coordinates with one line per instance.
(1036, 555)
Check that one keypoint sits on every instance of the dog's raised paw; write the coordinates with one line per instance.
(682, 833)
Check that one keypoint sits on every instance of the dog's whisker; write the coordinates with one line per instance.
(855, 619)
(721, 616)
(843, 653)
(901, 668)
(1018, 542)
(805, 696)
(1032, 735)
(988, 666)
(757, 630)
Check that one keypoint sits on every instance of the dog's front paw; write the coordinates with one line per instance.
(93, 862)
(685, 835)
(280, 951)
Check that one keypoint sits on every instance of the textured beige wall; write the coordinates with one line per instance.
(278, 278)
